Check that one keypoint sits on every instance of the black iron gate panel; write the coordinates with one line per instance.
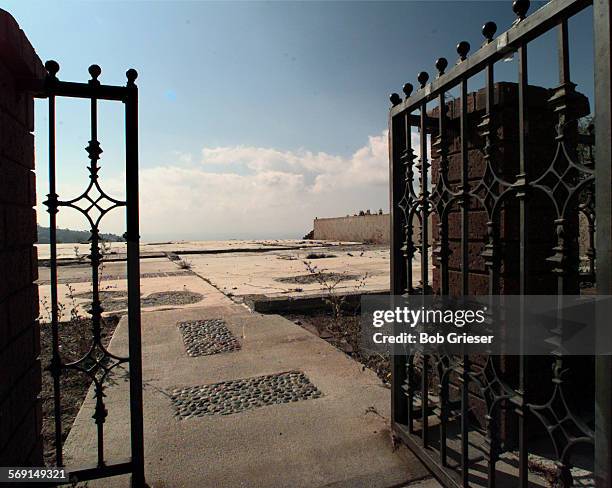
(435, 398)
(94, 203)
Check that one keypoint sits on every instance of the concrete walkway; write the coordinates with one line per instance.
(338, 439)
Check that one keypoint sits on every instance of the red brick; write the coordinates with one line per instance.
(6, 424)
(16, 52)
(35, 385)
(14, 183)
(36, 338)
(22, 308)
(18, 104)
(540, 223)
(477, 225)
(23, 438)
(478, 284)
(20, 370)
(4, 288)
(15, 267)
(4, 326)
(16, 142)
(22, 224)
(3, 236)
(17, 359)
(36, 456)
(32, 188)
(476, 262)
(34, 263)
(9, 97)
(22, 395)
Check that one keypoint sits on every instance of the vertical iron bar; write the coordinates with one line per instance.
(494, 277)
(523, 265)
(407, 373)
(424, 197)
(410, 391)
(443, 168)
(399, 412)
(409, 174)
(133, 268)
(444, 255)
(465, 190)
(425, 401)
(424, 201)
(492, 261)
(563, 51)
(465, 269)
(96, 311)
(56, 359)
(568, 276)
(602, 13)
(566, 256)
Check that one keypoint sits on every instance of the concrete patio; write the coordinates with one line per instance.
(239, 269)
(338, 439)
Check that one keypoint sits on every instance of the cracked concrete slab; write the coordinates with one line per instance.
(67, 251)
(148, 287)
(341, 439)
(271, 273)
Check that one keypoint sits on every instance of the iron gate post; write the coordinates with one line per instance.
(603, 201)
(133, 257)
(399, 407)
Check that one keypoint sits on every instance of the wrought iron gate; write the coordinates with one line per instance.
(94, 203)
(433, 396)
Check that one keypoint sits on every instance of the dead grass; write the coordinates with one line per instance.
(307, 279)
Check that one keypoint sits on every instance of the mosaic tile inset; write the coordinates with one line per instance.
(229, 397)
(206, 337)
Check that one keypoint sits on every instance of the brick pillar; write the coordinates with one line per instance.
(541, 148)
(541, 228)
(20, 371)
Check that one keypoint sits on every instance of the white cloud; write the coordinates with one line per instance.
(255, 192)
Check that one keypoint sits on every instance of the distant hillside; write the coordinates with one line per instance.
(72, 236)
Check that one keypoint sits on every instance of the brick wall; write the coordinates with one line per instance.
(20, 370)
(541, 147)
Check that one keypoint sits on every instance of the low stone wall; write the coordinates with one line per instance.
(359, 228)
(369, 229)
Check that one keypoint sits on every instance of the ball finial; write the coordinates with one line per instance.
(463, 48)
(489, 30)
(95, 71)
(441, 65)
(131, 75)
(407, 89)
(422, 78)
(520, 8)
(52, 67)
(395, 99)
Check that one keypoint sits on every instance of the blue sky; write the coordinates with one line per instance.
(255, 117)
